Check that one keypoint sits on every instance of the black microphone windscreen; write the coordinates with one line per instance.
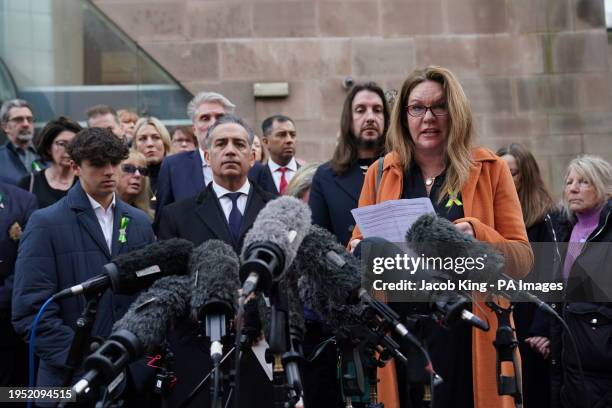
(137, 269)
(214, 266)
(150, 316)
(283, 222)
(327, 275)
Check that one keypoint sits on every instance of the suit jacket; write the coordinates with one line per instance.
(201, 217)
(62, 246)
(180, 177)
(11, 167)
(333, 196)
(491, 206)
(198, 219)
(260, 173)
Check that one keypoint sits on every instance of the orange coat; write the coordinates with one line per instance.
(492, 207)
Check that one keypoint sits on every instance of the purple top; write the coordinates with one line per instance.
(587, 222)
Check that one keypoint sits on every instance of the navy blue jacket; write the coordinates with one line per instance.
(261, 175)
(11, 167)
(333, 196)
(63, 245)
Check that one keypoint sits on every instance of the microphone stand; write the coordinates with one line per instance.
(286, 372)
(505, 344)
(81, 341)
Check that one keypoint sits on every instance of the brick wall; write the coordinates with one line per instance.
(536, 71)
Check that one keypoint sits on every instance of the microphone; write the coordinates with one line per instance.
(136, 270)
(214, 266)
(436, 236)
(142, 329)
(271, 245)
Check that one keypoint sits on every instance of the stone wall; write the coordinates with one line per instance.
(536, 71)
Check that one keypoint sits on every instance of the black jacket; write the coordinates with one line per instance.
(588, 313)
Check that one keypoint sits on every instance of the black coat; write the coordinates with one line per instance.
(198, 219)
(201, 217)
(333, 196)
(588, 314)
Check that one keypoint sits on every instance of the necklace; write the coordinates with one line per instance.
(429, 181)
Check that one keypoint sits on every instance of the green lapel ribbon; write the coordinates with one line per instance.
(1, 200)
(123, 229)
(453, 200)
(36, 166)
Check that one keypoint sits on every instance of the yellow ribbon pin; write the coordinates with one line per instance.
(453, 200)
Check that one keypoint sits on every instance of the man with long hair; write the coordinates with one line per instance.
(337, 183)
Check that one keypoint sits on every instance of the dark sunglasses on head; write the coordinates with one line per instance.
(130, 168)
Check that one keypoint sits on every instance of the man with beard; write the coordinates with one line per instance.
(18, 158)
(337, 184)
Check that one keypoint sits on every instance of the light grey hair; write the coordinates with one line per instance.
(10, 104)
(597, 172)
(210, 97)
(302, 180)
(224, 120)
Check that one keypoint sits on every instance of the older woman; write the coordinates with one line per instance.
(532, 326)
(183, 140)
(431, 154)
(133, 186)
(52, 183)
(587, 227)
(151, 138)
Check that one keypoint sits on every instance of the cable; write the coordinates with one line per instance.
(31, 380)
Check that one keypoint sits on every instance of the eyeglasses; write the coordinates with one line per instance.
(130, 168)
(420, 110)
(19, 119)
(61, 143)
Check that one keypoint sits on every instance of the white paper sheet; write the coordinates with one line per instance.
(391, 219)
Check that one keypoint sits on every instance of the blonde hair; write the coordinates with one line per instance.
(461, 132)
(159, 126)
(597, 172)
(143, 199)
(301, 182)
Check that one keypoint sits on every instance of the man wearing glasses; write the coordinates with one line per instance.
(18, 157)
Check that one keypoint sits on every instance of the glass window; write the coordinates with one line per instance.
(65, 56)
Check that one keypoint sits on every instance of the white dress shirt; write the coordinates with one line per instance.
(206, 169)
(226, 202)
(105, 218)
(276, 175)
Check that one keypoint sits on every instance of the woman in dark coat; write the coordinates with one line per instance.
(587, 271)
(532, 324)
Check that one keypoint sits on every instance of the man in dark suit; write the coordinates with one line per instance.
(225, 210)
(279, 137)
(18, 158)
(337, 184)
(68, 243)
(16, 206)
(186, 174)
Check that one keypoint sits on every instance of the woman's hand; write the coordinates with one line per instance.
(540, 344)
(465, 227)
(353, 244)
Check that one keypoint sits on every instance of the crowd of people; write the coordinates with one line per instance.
(72, 199)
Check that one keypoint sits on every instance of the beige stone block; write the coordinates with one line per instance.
(595, 92)
(147, 20)
(557, 145)
(578, 51)
(219, 19)
(284, 19)
(279, 60)
(600, 145)
(558, 168)
(459, 54)
(303, 103)
(589, 14)
(187, 61)
(333, 95)
(477, 16)
(495, 143)
(510, 54)
(348, 18)
(412, 17)
(383, 56)
(527, 16)
(516, 126)
(578, 123)
(489, 95)
(550, 93)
